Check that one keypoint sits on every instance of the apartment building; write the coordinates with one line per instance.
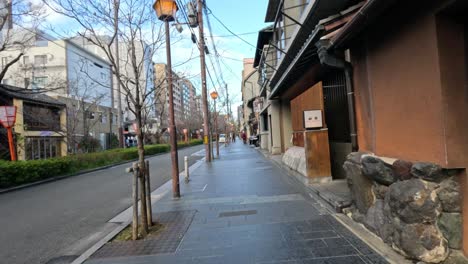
(187, 108)
(74, 76)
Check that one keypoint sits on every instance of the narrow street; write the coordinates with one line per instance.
(55, 222)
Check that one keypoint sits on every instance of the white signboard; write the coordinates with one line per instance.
(313, 119)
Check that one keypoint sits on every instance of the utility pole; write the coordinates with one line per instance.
(117, 73)
(172, 126)
(228, 111)
(206, 129)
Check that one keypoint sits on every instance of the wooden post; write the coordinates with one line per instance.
(149, 211)
(135, 202)
(144, 219)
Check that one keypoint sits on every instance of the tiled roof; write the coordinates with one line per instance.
(28, 95)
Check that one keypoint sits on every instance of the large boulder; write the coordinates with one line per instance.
(355, 157)
(360, 187)
(450, 224)
(375, 218)
(421, 242)
(402, 170)
(413, 201)
(428, 171)
(449, 195)
(379, 190)
(375, 169)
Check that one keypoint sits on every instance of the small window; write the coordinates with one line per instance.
(4, 62)
(25, 60)
(102, 118)
(91, 115)
(40, 82)
(40, 59)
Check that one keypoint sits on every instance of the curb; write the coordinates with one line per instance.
(57, 178)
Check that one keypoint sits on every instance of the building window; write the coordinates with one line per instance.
(27, 81)
(42, 147)
(102, 118)
(40, 59)
(40, 82)
(4, 62)
(25, 60)
(91, 115)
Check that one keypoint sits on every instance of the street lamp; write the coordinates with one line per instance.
(8, 119)
(166, 11)
(214, 96)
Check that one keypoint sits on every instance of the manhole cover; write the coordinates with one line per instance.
(237, 213)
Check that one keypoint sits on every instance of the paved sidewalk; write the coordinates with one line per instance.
(242, 209)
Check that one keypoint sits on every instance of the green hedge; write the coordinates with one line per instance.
(22, 172)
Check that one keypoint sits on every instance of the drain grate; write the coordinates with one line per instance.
(237, 213)
(175, 224)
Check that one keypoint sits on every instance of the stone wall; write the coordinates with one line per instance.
(415, 208)
(295, 159)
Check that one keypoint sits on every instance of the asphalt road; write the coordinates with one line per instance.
(55, 222)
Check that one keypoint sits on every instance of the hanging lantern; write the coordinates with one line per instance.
(165, 9)
(214, 95)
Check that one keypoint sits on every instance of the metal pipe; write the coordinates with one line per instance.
(351, 105)
(216, 129)
(333, 61)
(187, 173)
(172, 127)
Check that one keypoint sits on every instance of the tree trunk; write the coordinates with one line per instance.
(149, 209)
(142, 174)
(135, 202)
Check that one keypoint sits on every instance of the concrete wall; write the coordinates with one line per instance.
(451, 39)
(410, 78)
(391, 94)
(275, 127)
(89, 77)
(286, 125)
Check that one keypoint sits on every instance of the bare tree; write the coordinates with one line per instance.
(141, 34)
(13, 40)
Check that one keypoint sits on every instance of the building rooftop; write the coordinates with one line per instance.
(28, 95)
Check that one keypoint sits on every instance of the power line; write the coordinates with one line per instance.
(238, 34)
(230, 31)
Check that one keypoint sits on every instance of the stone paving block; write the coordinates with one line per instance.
(375, 259)
(334, 252)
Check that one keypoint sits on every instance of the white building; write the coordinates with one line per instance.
(63, 68)
(71, 74)
(143, 54)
